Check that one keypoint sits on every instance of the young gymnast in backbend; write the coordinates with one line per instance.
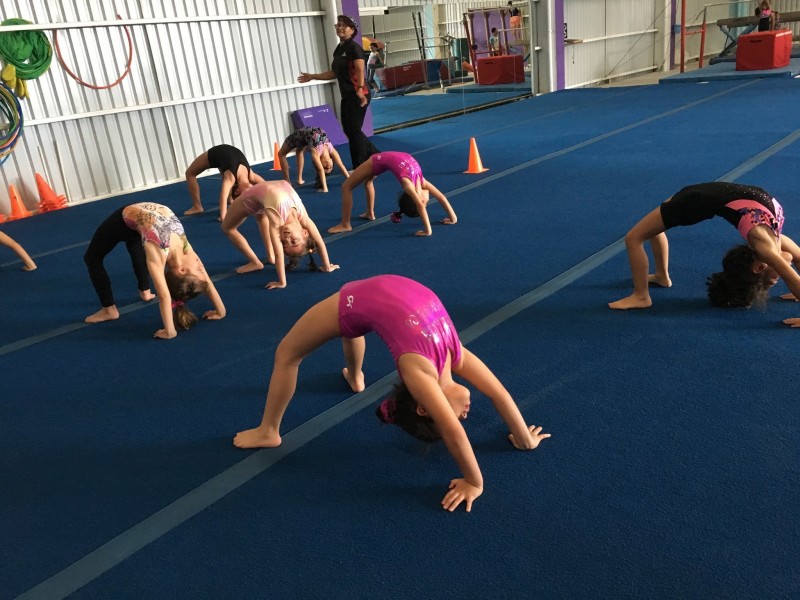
(413, 200)
(158, 247)
(9, 242)
(323, 155)
(237, 176)
(284, 225)
(423, 341)
(748, 271)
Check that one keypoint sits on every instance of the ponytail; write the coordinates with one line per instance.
(401, 409)
(181, 290)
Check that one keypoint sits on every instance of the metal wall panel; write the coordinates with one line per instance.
(192, 84)
(618, 38)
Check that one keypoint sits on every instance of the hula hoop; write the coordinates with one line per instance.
(11, 109)
(91, 85)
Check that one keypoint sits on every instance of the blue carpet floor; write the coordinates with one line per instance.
(673, 470)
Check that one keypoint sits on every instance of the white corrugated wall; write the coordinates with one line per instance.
(613, 39)
(194, 83)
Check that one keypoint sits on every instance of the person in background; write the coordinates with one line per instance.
(349, 70)
(413, 199)
(374, 62)
(237, 176)
(323, 155)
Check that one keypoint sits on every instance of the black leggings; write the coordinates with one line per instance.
(352, 121)
(111, 232)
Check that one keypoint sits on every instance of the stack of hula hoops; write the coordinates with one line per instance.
(27, 55)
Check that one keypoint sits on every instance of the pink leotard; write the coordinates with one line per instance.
(754, 214)
(399, 163)
(278, 196)
(405, 314)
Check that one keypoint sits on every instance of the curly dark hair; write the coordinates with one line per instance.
(183, 288)
(737, 286)
(401, 409)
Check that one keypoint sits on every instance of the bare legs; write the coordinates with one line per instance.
(9, 242)
(347, 208)
(369, 190)
(199, 165)
(354, 359)
(650, 228)
(317, 326)
(347, 204)
(230, 227)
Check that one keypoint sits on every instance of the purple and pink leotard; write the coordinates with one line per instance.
(405, 314)
(399, 164)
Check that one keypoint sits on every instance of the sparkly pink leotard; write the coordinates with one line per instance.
(399, 164)
(405, 314)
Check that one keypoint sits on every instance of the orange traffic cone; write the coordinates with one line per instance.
(18, 210)
(48, 200)
(276, 162)
(475, 164)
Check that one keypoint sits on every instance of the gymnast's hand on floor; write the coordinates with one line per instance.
(789, 296)
(330, 268)
(275, 285)
(449, 221)
(536, 437)
(794, 322)
(212, 315)
(460, 491)
(165, 335)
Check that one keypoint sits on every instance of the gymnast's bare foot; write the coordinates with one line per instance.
(193, 211)
(662, 280)
(632, 301)
(356, 383)
(250, 267)
(146, 295)
(29, 266)
(340, 228)
(367, 216)
(256, 438)
(107, 313)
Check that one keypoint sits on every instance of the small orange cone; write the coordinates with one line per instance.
(475, 164)
(276, 161)
(48, 200)
(18, 210)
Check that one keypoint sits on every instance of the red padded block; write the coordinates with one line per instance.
(500, 69)
(764, 50)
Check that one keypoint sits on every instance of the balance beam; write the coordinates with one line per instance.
(787, 17)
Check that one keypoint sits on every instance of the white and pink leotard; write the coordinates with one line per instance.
(277, 196)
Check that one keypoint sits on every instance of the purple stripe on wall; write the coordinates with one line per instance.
(672, 21)
(558, 31)
(350, 8)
